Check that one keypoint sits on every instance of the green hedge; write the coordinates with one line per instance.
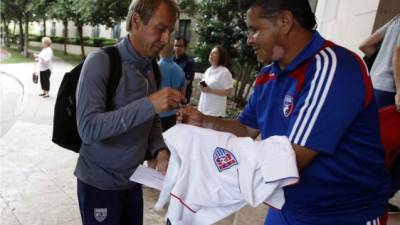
(87, 41)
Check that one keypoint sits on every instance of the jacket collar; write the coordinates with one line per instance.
(131, 56)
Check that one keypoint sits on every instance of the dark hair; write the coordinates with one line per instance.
(300, 9)
(146, 9)
(223, 58)
(185, 41)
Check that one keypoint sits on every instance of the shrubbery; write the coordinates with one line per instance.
(87, 41)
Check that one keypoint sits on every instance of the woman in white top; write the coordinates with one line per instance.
(44, 63)
(216, 85)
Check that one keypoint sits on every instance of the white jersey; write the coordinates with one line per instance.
(213, 174)
(217, 78)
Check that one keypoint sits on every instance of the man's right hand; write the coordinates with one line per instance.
(190, 115)
(166, 99)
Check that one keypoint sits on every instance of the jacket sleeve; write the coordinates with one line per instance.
(190, 70)
(94, 122)
(156, 140)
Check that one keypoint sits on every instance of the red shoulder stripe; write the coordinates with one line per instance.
(262, 79)
(328, 44)
(366, 79)
(299, 75)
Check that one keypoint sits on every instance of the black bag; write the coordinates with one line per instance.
(35, 77)
(65, 131)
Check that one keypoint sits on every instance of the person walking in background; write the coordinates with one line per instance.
(173, 77)
(216, 85)
(387, 39)
(115, 142)
(44, 59)
(186, 63)
(319, 95)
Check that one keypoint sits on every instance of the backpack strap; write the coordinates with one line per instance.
(157, 72)
(115, 73)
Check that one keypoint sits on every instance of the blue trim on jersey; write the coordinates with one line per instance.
(316, 97)
(318, 101)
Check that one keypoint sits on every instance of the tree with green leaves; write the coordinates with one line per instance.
(223, 23)
(93, 12)
(188, 6)
(40, 12)
(104, 12)
(7, 16)
(69, 10)
(22, 11)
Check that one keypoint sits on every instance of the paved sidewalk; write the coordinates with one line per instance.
(37, 186)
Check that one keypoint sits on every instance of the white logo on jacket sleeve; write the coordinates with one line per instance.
(224, 159)
(287, 105)
(100, 214)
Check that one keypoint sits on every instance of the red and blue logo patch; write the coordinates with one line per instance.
(287, 105)
(224, 159)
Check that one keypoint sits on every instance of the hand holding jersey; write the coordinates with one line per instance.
(218, 177)
(190, 115)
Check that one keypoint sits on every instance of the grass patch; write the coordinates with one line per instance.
(15, 57)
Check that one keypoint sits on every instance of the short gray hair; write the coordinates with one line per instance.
(146, 9)
(46, 40)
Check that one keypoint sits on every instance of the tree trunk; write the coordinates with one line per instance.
(14, 27)
(80, 32)
(21, 35)
(244, 82)
(44, 26)
(6, 36)
(65, 23)
(26, 35)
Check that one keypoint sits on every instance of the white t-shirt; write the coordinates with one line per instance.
(217, 78)
(382, 69)
(213, 174)
(44, 59)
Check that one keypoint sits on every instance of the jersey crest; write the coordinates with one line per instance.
(287, 105)
(100, 214)
(224, 159)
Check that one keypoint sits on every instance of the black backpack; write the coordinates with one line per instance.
(65, 130)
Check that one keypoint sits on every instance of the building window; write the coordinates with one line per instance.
(96, 31)
(116, 31)
(53, 28)
(184, 29)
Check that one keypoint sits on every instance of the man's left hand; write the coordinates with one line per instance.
(162, 160)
